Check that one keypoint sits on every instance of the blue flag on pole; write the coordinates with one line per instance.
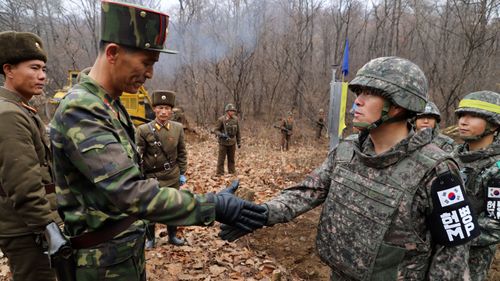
(345, 59)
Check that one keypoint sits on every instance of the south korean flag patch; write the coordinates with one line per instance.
(452, 221)
(493, 198)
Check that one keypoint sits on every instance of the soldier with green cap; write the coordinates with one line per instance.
(394, 206)
(163, 153)
(430, 118)
(227, 130)
(479, 156)
(27, 199)
(102, 195)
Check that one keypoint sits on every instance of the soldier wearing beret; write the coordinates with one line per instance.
(227, 130)
(27, 202)
(104, 198)
(164, 156)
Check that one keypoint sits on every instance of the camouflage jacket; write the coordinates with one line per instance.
(229, 126)
(172, 150)
(97, 171)
(481, 171)
(25, 169)
(444, 142)
(407, 236)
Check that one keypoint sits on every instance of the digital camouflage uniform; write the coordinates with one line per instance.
(374, 224)
(481, 170)
(444, 142)
(229, 127)
(99, 181)
(27, 199)
(396, 215)
(286, 130)
(163, 151)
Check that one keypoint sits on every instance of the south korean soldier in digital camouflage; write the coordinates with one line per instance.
(27, 199)
(104, 199)
(394, 206)
(430, 119)
(479, 156)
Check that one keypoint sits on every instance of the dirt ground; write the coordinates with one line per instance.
(283, 252)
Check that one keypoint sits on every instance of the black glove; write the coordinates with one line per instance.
(231, 233)
(235, 211)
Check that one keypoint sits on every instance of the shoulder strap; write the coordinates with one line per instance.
(157, 139)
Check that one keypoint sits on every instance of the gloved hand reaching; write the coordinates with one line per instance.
(234, 211)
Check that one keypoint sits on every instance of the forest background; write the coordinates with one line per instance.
(272, 56)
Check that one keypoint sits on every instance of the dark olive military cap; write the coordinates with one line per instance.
(162, 97)
(134, 26)
(16, 47)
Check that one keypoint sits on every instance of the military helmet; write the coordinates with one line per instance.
(162, 97)
(134, 26)
(16, 47)
(431, 109)
(229, 107)
(485, 104)
(399, 80)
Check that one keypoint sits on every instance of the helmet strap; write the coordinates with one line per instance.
(365, 126)
(487, 131)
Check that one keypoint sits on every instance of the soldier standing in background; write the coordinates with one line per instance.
(101, 193)
(286, 130)
(163, 154)
(479, 156)
(320, 124)
(393, 202)
(430, 118)
(227, 130)
(27, 202)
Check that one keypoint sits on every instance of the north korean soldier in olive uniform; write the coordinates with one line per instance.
(101, 193)
(430, 118)
(286, 130)
(227, 130)
(164, 156)
(320, 124)
(479, 156)
(26, 182)
(394, 207)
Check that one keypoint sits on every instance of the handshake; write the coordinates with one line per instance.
(238, 217)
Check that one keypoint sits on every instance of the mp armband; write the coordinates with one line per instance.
(493, 199)
(452, 221)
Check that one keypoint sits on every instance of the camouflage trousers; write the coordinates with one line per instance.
(480, 259)
(27, 261)
(285, 141)
(229, 151)
(118, 259)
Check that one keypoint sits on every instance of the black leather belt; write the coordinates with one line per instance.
(167, 166)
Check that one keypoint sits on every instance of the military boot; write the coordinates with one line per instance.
(172, 238)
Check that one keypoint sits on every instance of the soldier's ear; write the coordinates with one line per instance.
(112, 52)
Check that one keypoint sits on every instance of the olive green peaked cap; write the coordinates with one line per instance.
(16, 47)
(162, 97)
(134, 26)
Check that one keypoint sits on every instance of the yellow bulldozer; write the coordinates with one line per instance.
(138, 105)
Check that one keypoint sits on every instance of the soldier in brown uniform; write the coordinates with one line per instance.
(320, 124)
(25, 172)
(228, 132)
(164, 156)
(286, 131)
